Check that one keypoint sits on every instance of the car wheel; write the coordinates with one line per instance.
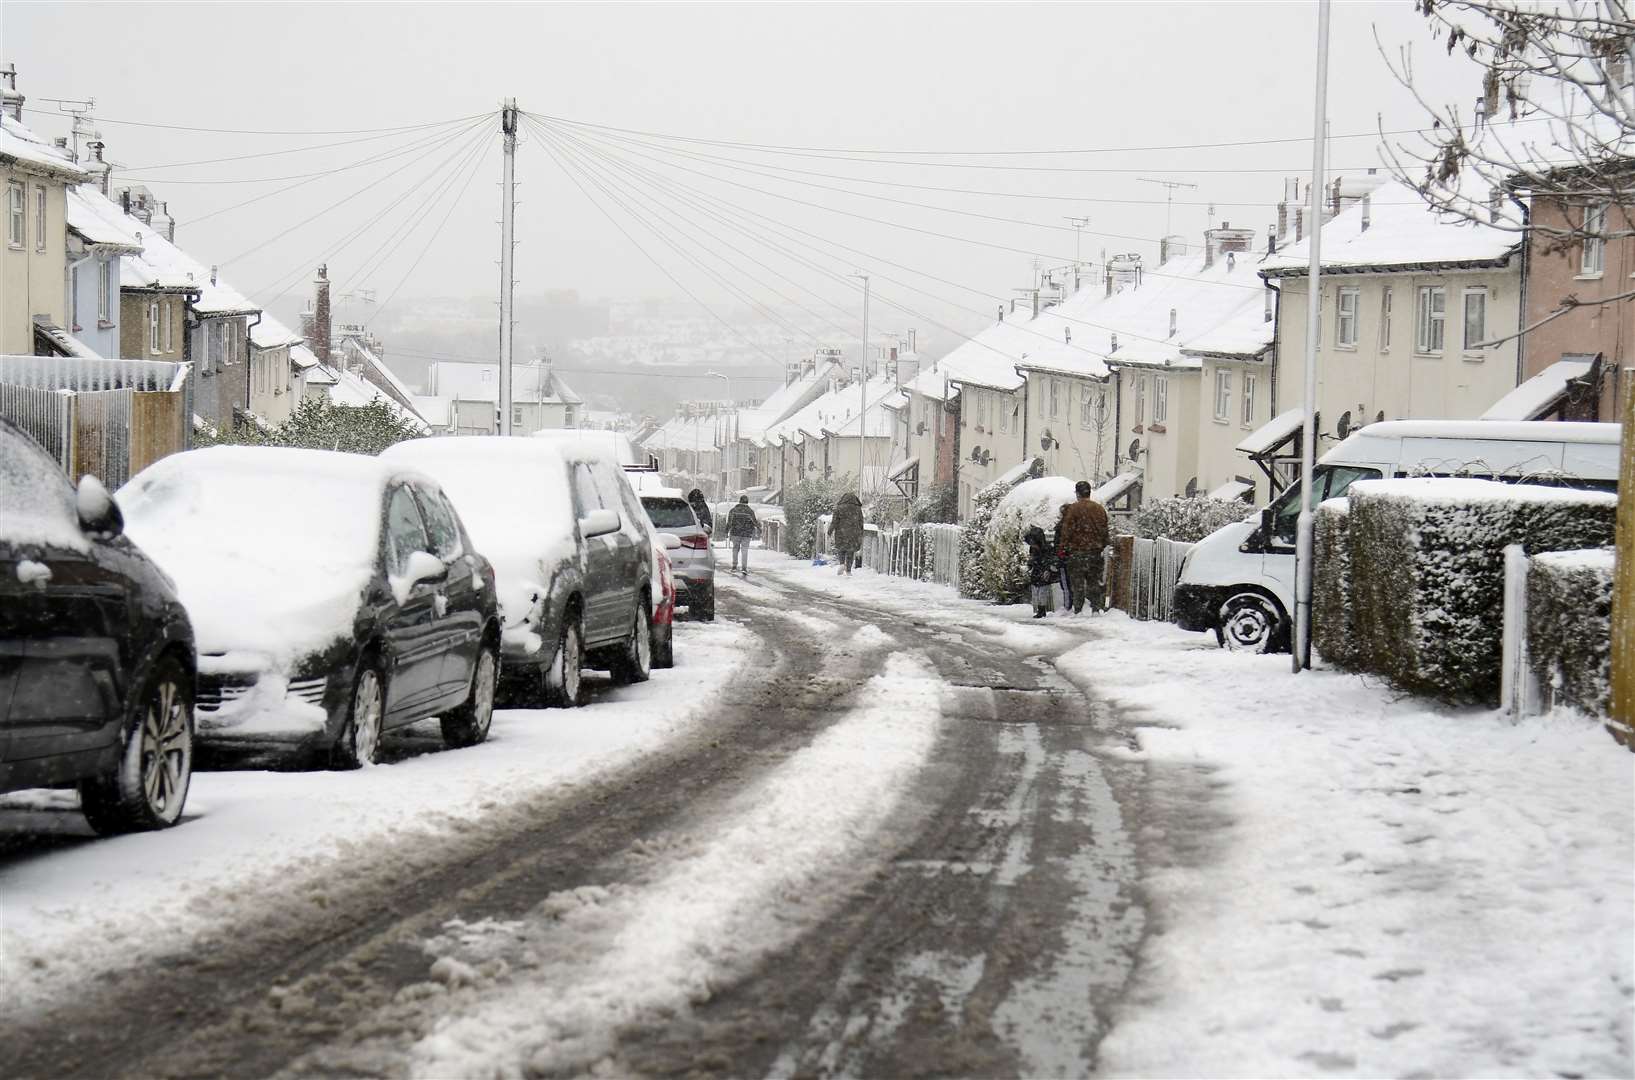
(562, 677)
(468, 725)
(704, 608)
(1250, 623)
(634, 662)
(148, 787)
(359, 743)
(664, 646)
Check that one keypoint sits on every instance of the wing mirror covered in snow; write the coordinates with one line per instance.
(424, 566)
(599, 523)
(669, 541)
(99, 515)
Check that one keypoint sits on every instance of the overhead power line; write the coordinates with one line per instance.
(298, 149)
(252, 131)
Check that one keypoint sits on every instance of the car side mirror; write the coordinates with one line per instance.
(599, 523)
(423, 566)
(669, 541)
(99, 515)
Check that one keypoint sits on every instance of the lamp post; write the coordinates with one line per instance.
(728, 380)
(863, 383)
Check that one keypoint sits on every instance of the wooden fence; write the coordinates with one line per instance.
(1141, 575)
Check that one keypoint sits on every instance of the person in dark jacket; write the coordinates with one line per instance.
(1061, 563)
(846, 527)
(742, 527)
(701, 507)
(1084, 533)
(1041, 571)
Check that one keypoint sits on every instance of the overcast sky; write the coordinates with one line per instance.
(965, 78)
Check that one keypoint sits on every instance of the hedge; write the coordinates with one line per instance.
(1427, 573)
(1333, 626)
(976, 581)
(1569, 627)
(1188, 519)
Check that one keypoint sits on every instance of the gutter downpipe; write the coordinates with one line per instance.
(1314, 300)
(249, 362)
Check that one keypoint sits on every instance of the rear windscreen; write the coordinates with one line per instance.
(670, 513)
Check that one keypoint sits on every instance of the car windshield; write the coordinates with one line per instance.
(1332, 482)
(38, 501)
(670, 513)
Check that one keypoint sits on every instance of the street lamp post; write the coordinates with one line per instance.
(728, 380)
(863, 383)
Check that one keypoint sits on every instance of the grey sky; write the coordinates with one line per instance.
(922, 77)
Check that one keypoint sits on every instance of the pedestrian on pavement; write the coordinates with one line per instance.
(742, 527)
(1061, 561)
(1042, 571)
(1083, 536)
(846, 527)
(701, 507)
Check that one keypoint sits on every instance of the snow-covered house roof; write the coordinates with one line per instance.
(21, 147)
(835, 413)
(99, 221)
(1403, 233)
(373, 370)
(1542, 393)
(164, 266)
(466, 381)
(353, 390)
(785, 401)
(269, 333)
(317, 374)
(435, 411)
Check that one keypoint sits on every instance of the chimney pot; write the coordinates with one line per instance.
(1367, 211)
(1271, 239)
(1299, 223)
(1067, 334)
(1171, 322)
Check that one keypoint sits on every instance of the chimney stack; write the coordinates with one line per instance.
(1367, 211)
(11, 102)
(320, 314)
(1171, 322)
(1495, 199)
(1299, 223)
(1001, 312)
(1271, 239)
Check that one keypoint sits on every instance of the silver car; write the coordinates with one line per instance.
(693, 564)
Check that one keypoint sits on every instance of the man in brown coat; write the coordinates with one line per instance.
(1083, 536)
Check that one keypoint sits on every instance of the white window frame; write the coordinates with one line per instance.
(73, 297)
(1055, 399)
(153, 327)
(1475, 292)
(39, 217)
(1592, 258)
(1247, 410)
(1004, 420)
(168, 323)
(1160, 399)
(1087, 409)
(16, 215)
(1223, 395)
(1430, 325)
(1385, 319)
(1140, 399)
(105, 290)
(1346, 305)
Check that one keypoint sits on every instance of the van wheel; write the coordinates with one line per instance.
(148, 787)
(1250, 623)
(562, 677)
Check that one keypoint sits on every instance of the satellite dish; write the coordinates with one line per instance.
(1379, 417)
(1135, 449)
(976, 453)
(919, 429)
(1047, 441)
(1192, 487)
(1342, 427)
(986, 457)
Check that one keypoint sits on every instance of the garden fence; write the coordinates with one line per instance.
(922, 552)
(1146, 584)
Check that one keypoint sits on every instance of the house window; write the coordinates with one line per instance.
(1160, 399)
(1475, 318)
(39, 218)
(1140, 399)
(1429, 320)
(16, 229)
(169, 327)
(516, 416)
(153, 327)
(1223, 395)
(73, 298)
(1249, 381)
(1004, 419)
(1593, 259)
(1345, 319)
(105, 289)
(1055, 398)
(1385, 320)
(1087, 409)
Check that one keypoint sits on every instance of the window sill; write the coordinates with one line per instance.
(1344, 348)
(1157, 429)
(1224, 421)
(1427, 355)
(1473, 357)
(104, 324)
(1595, 276)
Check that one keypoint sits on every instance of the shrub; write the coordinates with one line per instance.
(974, 582)
(1032, 502)
(1187, 520)
(1427, 573)
(1569, 626)
(937, 505)
(320, 424)
(1333, 629)
(803, 504)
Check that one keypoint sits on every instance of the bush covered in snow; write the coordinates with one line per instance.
(936, 505)
(1569, 626)
(1333, 631)
(1427, 572)
(320, 424)
(1005, 557)
(803, 504)
(974, 580)
(1187, 520)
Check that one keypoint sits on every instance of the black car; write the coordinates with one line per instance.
(335, 596)
(96, 651)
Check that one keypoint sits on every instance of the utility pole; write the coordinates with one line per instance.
(863, 384)
(1169, 193)
(1314, 307)
(508, 225)
(1079, 225)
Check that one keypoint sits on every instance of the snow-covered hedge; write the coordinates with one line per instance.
(1569, 626)
(803, 503)
(975, 582)
(1032, 502)
(1427, 572)
(1333, 628)
(1187, 520)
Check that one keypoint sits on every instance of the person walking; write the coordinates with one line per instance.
(1041, 572)
(1083, 536)
(846, 527)
(1061, 562)
(742, 527)
(701, 507)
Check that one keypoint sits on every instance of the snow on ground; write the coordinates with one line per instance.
(1344, 881)
(257, 845)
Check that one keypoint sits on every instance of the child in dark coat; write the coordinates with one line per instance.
(1042, 571)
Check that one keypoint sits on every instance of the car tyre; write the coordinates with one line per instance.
(1250, 623)
(634, 662)
(664, 646)
(359, 743)
(562, 678)
(468, 725)
(147, 788)
(704, 608)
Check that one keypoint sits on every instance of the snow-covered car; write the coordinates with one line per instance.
(667, 508)
(96, 651)
(664, 601)
(572, 552)
(334, 596)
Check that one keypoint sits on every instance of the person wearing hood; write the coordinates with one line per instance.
(846, 529)
(701, 507)
(1041, 571)
(742, 527)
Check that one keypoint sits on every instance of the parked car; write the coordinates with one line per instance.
(96, 651)
(335, 597)
(571, 548)
(664, 601)
(1239, 580)
(694, 561)
(612, 445)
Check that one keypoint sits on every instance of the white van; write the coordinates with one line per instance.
(1239, 580)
